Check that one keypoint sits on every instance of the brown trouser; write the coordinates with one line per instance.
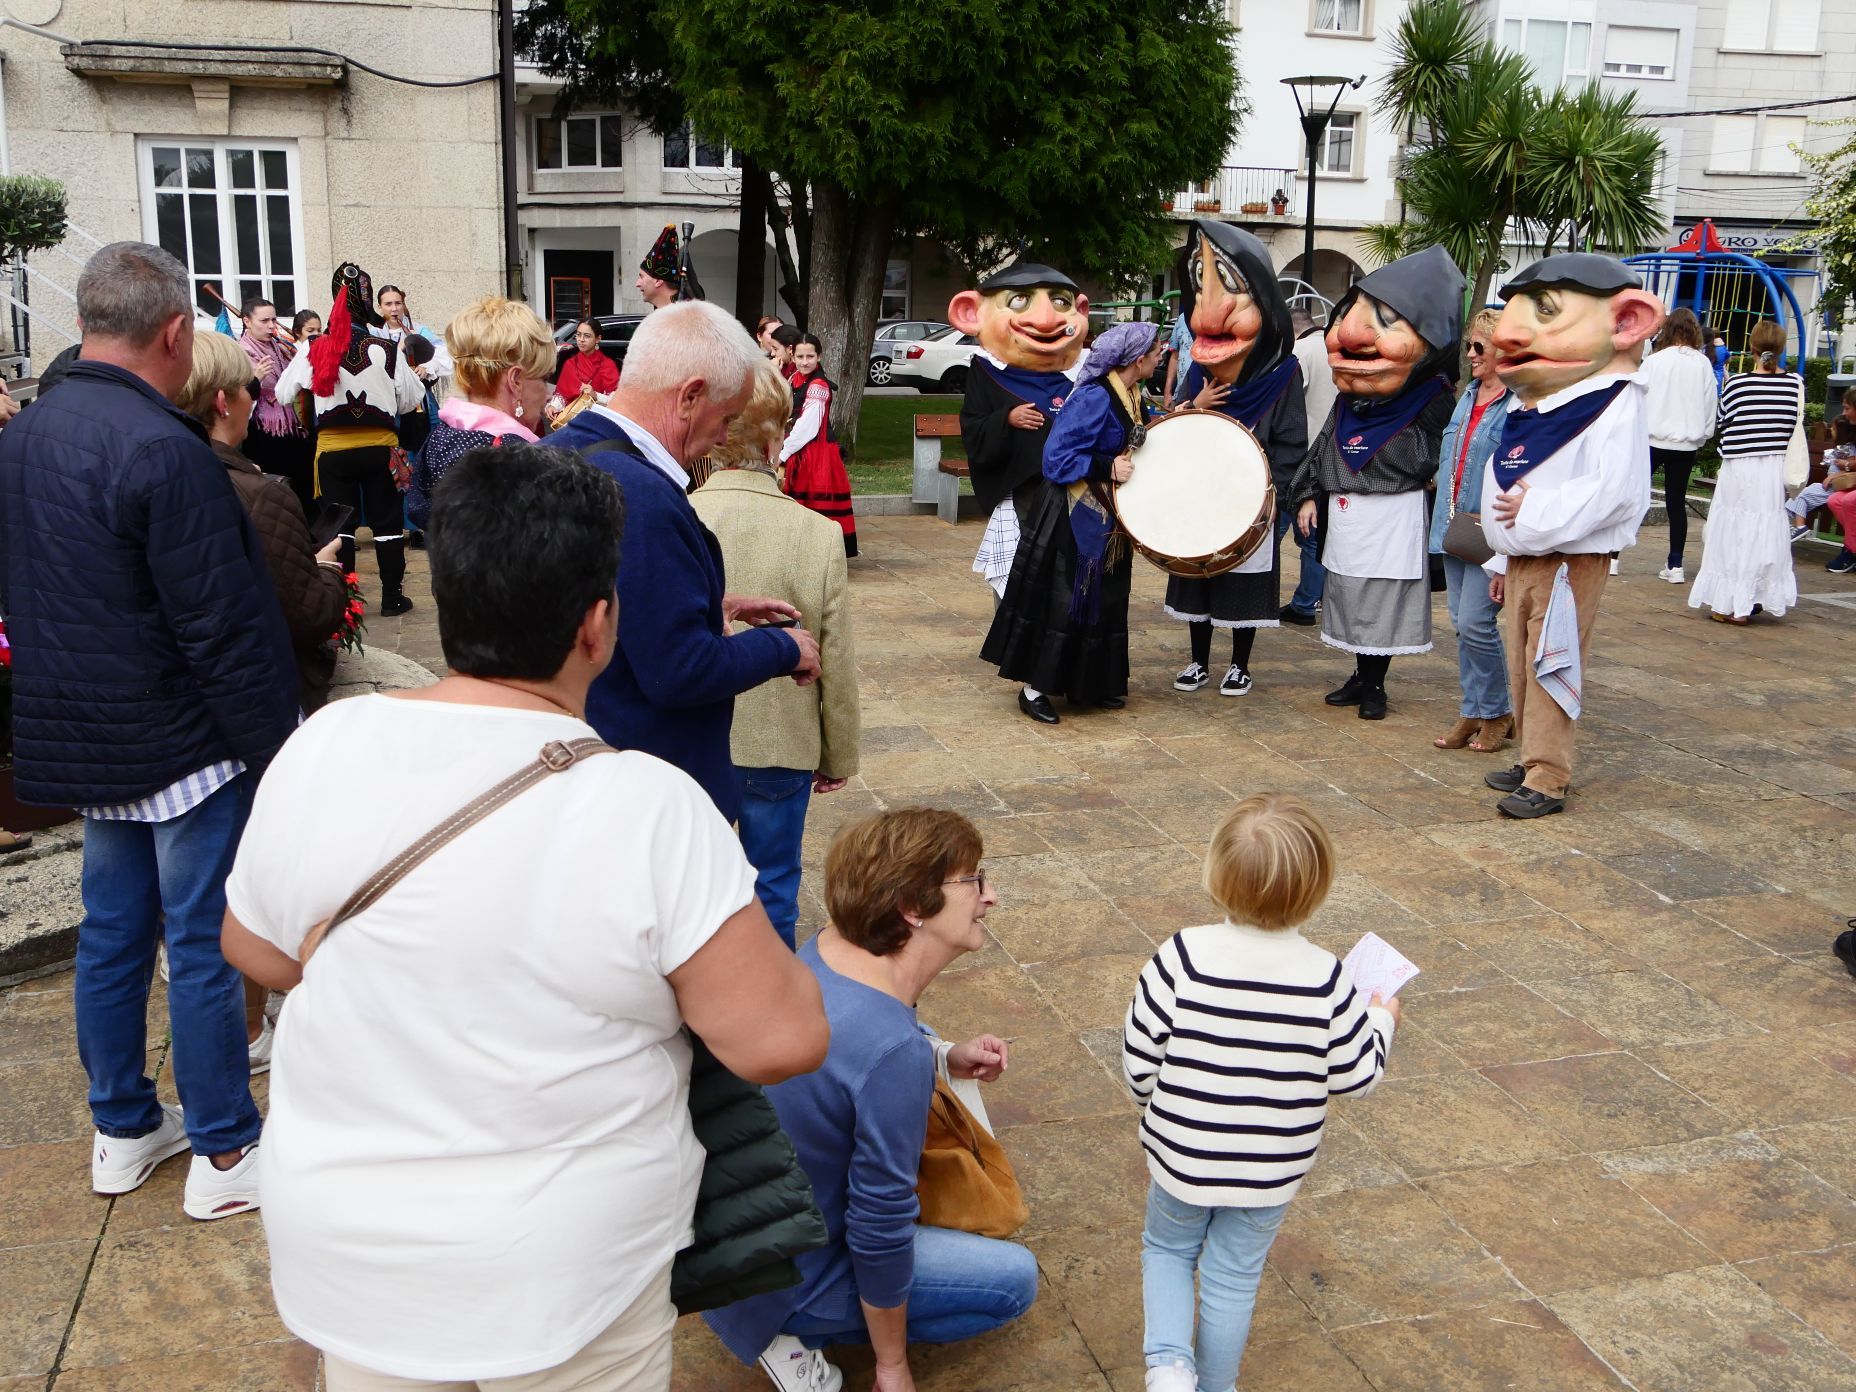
(1543, 730)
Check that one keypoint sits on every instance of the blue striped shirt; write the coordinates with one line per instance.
(177, 799)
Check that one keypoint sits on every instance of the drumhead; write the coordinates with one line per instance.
(1198, 484)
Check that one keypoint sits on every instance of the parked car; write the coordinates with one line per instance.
(934, 364)
(615, 336)
(891, 335)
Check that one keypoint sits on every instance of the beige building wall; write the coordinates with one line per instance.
(403, 179)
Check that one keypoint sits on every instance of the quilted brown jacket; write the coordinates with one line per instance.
(310, 595)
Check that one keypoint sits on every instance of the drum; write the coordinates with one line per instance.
(1200, 501)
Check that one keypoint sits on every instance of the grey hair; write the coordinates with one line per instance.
(691, 339)
(131, 291)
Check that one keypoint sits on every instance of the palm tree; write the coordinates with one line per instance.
(1487, 150)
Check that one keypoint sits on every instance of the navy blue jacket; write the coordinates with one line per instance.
(671, 688)
(147, 641)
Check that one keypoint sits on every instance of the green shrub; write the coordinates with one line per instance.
(1813, 413)
(32, 214)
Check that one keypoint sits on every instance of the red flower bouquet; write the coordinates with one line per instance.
(347, 636)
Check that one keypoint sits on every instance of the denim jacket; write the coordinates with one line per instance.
(1488, 435)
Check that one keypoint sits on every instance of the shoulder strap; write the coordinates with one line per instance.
(556, 757)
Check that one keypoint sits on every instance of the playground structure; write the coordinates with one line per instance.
(1730, 291)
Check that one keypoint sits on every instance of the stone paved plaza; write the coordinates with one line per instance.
(1615, 1147)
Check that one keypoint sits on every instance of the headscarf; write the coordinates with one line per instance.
(1269, 367)
(1117, 346)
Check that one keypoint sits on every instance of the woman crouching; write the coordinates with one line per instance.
(907, 897)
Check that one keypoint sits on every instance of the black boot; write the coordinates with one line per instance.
(1349, 692)
(1373, 703)
(391, 556)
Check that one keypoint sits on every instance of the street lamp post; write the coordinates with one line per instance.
(1315, 120)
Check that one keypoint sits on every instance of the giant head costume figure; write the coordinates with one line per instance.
(1398, 326)
(1028, 316)
(1232, 303)
(1570, 317)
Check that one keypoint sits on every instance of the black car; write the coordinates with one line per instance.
(615, 336)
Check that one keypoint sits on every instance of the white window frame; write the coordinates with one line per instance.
(1748, 145)
(598, 118)
(1366, 20)
(731, 162)
(230, 272)
(1514, 38)
(1352, 171)
(907, 291)
(1636, 70)
(1767, 38)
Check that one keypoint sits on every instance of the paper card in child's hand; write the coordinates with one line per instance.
(1377, 967)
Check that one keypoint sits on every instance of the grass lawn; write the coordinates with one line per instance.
(886, 442)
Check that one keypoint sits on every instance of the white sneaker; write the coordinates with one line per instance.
(216, 1193)
(1614, 565)
(796, 1368)
(1673, 574)
(274, 1006)
(1236, 682)
(259, 1049)
(161, 959)
(1176, 1376)
(118, 1166)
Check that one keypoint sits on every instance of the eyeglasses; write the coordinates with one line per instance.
(978, 878)
(1478, 348)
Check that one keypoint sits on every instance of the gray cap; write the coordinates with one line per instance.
(1023, 275)
(1576, 270)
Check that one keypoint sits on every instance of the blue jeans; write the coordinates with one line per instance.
(134, 874)
(964, 1285)
(1481, 665)
(1227, 1247)
(1314, 575)
(773, 827)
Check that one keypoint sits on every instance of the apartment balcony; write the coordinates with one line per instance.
(1241, 193)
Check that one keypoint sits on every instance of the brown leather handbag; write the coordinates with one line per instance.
(966, 1183)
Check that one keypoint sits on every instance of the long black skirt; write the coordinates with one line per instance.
(1033, 640)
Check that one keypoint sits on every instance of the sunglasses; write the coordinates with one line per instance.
(1478, 348)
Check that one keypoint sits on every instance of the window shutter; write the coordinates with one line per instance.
(1794, 25)
(1734, 138)
(1746, 24)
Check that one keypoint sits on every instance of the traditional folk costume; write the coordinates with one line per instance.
(1583, 455)
(277, 442)
(360, 384)
(1265, 396)
(1062, 627)
(1029, 356)
(1370, 465)
(815, 472)
(584, 370)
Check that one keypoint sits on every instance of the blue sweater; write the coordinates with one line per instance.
(671, 688)
(858, 1124)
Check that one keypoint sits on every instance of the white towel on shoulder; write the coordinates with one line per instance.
(1556, 661)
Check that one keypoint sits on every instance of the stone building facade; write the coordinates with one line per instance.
(209, 126)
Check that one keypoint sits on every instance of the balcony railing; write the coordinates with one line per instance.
(1239, 193)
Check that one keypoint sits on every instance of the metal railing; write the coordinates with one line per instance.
(1240, 191)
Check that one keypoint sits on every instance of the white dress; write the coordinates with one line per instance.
(1746, 553)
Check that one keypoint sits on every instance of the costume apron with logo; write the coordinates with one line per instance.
(1006, 463)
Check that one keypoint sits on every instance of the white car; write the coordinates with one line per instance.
(934, 364)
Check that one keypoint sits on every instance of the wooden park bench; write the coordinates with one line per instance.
(937, 480)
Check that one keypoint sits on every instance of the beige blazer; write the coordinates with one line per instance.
(774, 546)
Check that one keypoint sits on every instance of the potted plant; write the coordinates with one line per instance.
(1279, 203)
(1255, 207)
(1166, 204)
(1206, 205)
(14, 815)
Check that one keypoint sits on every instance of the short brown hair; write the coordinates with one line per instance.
(492, 335)
(1680, 330)
(895, 860)
(761, 426)
(1768, 337)
(1270, 863)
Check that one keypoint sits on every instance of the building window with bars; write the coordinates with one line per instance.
(580, 142)
(230, 210)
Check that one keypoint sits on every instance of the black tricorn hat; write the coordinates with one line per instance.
(1023, 275)
(1576, 270)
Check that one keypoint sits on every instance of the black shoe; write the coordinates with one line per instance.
(393, 604)
(1348, 693)
(1112, 702)
(1373, 703)
(1506, 780)
(1299, 617)
(1845, 946)
(416, 540)
(1039, 710)
(1236, 682)
(1191, 677)
(1529, 802)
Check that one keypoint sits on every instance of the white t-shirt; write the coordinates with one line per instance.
(479, 1150)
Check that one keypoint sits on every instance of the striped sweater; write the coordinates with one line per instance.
(1759, 411)
(1234, 1041)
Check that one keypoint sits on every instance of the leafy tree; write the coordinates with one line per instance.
(1832, 202)
(32, 214)
(1487, 149)
(1049, 125)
